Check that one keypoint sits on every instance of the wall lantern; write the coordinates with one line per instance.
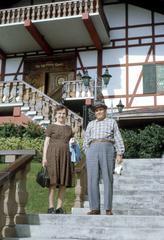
(86, 78)
(106, 76)
(120, 106)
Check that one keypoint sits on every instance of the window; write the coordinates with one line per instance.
(153, 78)
(160, 78)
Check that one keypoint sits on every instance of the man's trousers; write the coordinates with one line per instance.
(99, 157)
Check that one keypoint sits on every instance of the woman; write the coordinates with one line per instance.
(56, 157)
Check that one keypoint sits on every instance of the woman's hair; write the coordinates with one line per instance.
(61, 107)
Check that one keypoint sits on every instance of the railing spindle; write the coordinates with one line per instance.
(10, 208)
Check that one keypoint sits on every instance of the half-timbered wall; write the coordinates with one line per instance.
(136, 38)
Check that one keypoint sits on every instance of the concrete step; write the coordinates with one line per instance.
(29, 238)
(25, 108)
(104, 234)
(143, 161)
(146, 166)
(30, 113)
(136, 199)
(128, 186)
(37, 118)
(81, 231)
(44, 122)
(106, 221)
(139, 179)
(117, 211)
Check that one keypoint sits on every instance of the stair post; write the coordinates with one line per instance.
(21, 196)
(2, 218)
(9, 208)
(81, 185)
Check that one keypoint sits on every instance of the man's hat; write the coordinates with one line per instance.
(99, 104)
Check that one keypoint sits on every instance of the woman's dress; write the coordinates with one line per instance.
(58, 155)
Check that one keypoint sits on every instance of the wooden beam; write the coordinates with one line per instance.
(99, 64)
(80, 61)
(2, 69)
(38, 37)
(20, 65)
(2, 54)
(92, 30)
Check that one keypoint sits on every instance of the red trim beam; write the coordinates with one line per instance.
(2, 54)
(38, 37)
(92, 31)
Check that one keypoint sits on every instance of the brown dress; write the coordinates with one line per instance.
(58, 155)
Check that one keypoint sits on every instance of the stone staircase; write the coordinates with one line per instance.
(34, 104)
(138, 207)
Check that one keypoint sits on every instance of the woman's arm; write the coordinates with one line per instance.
(46, 143)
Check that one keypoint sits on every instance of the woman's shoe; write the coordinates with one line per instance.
(59, 211)
(51, 210)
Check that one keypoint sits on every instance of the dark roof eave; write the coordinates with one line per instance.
(122, 116)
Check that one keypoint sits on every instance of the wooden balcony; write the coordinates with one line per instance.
(64, 24)
(48, 11)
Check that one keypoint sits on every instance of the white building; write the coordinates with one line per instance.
(47, 43)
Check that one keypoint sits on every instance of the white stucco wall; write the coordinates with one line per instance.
(11, 67)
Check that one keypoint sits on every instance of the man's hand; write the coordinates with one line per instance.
(119, 159)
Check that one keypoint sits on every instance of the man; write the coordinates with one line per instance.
(102, 138)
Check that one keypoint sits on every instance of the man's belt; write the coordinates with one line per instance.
(101, 140)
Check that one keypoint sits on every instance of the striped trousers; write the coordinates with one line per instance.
(99, 159)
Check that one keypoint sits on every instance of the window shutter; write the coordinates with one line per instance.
(149, 78)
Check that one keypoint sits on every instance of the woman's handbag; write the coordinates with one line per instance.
(42, 177)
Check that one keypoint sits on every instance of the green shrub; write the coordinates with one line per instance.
(151, 141)
(11, 129)
(144, 143)
(33, 130)
(10, 143)
(131, 142)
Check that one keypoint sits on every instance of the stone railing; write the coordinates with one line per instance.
(13, 196)
(81, 184)
(77, 90)
(40, 105)
(48, 11)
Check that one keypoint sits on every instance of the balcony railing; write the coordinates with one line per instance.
(76, 90)
(49, 11)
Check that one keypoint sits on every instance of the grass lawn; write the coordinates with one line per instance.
(38, 196)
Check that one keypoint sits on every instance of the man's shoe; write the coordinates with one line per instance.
(94, 212)
(59, 211)
(109, 212)
(51, 210)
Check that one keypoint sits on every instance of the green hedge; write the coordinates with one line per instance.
(144, 143)
(31, 130)
(140, 143)
(14, 143)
